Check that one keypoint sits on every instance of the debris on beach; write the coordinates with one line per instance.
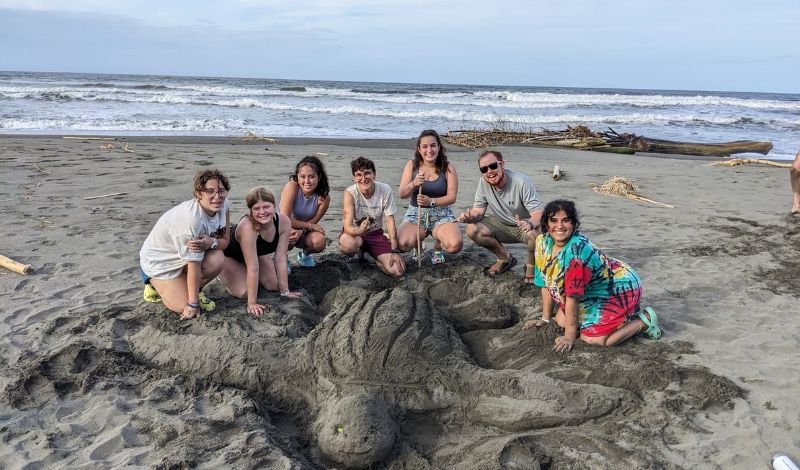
(623, 187)
(582, 138)
(253, 137)
(751, 161)
(15, 266)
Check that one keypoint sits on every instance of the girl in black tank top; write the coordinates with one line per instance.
(248, 264)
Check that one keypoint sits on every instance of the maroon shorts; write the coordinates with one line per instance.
(375, 243)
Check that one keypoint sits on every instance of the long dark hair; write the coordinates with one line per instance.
(323, 188)
(553, 207)
(441, 159)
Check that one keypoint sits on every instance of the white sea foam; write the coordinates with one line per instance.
(175, 105)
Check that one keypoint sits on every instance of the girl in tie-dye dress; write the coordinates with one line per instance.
(597, 296)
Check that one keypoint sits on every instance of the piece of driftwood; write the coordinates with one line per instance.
(556, 173)
(582, 138)
(252, 137)
(15, 266)
(753, 161)
(623, 187)
(103, 195)
(725, 149)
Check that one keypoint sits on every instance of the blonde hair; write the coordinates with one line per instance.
(255, 195)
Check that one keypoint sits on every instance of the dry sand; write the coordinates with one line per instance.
(429, 371)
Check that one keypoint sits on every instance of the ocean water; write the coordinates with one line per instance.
(60, 103)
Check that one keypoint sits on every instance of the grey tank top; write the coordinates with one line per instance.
(435, 188)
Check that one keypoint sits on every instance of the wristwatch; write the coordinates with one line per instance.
(214, 244)
(433, 202)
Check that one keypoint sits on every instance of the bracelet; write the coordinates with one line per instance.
(546, 320)
(194, 306)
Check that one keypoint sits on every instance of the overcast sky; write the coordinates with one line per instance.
(735, 45)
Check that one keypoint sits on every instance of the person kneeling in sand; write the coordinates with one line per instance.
(430, 183)
(597, 296)
(794, 178)
(305, 200)
(183, 252)
(514, 209)
(367, 205)
(256, 254)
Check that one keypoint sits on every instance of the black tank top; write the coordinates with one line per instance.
(263, 247)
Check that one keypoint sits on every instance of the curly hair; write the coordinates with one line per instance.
(204, 176)
(361, 164)
(552, 208)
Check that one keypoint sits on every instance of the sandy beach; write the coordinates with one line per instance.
(428, 371)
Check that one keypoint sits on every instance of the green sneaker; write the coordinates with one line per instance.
(151, 294)
(206, 303)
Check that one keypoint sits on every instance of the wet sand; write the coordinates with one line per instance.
(429, 371)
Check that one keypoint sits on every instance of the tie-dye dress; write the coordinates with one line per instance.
(608, 290)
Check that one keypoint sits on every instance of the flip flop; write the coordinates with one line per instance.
(500, 266)
(653, 331)
(528, 278)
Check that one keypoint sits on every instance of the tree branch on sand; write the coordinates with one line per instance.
(753, 161)
(582, 138)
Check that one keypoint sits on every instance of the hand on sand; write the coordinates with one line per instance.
(255, 310)
(535, 323)
(396, 258)
(189, 313)
(563, 344)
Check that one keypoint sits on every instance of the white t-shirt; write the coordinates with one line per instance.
(379, 205)
(164, 252)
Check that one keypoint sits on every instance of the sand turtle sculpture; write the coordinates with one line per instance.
(407, 373)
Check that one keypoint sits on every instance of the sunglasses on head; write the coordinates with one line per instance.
(491, 166)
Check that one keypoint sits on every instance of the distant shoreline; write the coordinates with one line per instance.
(330, 141)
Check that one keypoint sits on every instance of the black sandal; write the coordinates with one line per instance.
(499, 267)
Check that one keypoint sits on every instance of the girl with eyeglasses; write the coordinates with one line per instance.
(183, 251)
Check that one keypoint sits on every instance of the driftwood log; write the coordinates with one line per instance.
(15, 266)
(646, 144)
(582, 138)
(557, 173)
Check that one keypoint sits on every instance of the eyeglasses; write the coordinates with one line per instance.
(491, 166)
(210, 192)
